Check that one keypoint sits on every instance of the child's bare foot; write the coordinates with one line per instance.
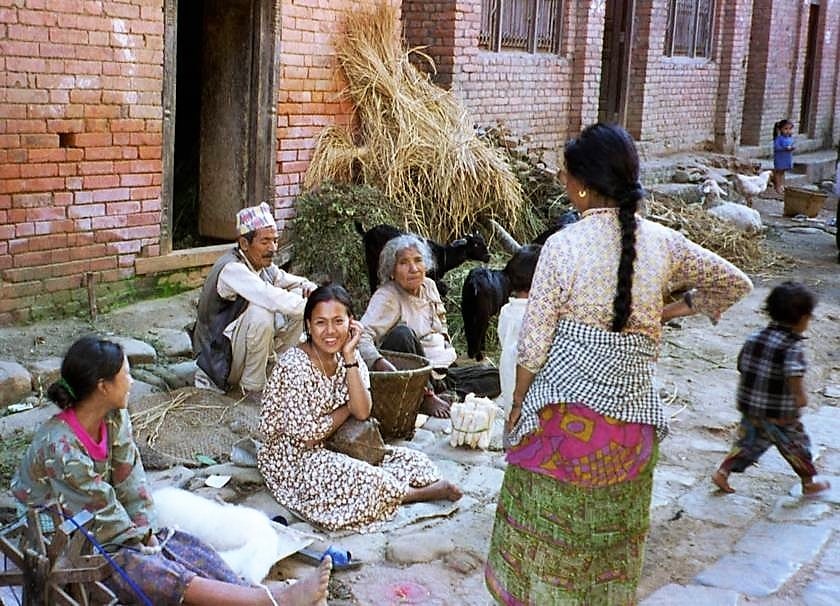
(311, 590)
(812, 488)
(721, 480)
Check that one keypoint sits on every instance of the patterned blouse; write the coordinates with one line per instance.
(576, 279)
(57, 467)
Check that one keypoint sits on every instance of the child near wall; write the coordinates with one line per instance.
(783, 146)
(771, 391)
(520, 271)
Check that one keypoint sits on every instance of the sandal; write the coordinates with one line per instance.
(341, 558)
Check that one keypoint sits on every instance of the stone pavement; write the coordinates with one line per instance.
(763, 545)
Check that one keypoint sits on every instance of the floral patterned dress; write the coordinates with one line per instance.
(327, 488)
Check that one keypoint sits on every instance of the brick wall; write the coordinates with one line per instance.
(309, 86)
(774, 86)
(81, 136)
(526, 92)
(80, 143)
(673, 100)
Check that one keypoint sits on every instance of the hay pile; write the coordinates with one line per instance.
(747, 251)
(414, 141)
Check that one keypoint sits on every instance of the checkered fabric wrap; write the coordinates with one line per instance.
(611, 373)
(766, 360)
(254, 218)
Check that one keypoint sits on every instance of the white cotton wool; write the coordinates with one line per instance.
(243, 536)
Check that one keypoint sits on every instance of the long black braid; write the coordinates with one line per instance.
(628, 204)
(604, 158)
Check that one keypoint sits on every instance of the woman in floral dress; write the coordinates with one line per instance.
(314, 388)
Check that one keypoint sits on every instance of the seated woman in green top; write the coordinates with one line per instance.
(85, 458)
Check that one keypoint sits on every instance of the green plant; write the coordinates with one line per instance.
(326, 243)
(12, 449)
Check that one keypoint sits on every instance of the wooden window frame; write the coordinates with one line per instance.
(705, 51)
(492, 34)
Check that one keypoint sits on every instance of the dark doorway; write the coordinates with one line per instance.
(615, 61)
(219, 127)
(809, 68)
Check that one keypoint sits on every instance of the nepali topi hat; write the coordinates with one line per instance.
(254, 218)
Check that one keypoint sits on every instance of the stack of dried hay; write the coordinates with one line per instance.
(415, 142)
(747, 251)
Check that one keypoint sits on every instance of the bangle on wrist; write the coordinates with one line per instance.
(351, 364)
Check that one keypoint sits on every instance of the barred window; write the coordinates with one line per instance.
(690, 28)
(528, 25)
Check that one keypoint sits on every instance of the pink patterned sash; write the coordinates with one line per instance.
(577, 445)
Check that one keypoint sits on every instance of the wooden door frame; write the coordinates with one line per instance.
(624, 89)
(262, 110)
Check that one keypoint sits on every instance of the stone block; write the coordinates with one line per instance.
(748, 574)
(172, 342)
(44, 373)
(419, 547)
(15, 382)
(692, 594)
(137, 352)
(822, 591)
(734, 510)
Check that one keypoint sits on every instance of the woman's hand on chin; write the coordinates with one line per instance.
(348, 350)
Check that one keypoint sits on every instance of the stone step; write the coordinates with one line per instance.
(816, 166)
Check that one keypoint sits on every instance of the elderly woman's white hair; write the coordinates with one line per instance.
(394, 246)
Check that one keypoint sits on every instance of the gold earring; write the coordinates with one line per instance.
(582, 193)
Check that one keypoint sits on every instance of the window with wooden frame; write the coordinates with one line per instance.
(689, 31)
(534, 26)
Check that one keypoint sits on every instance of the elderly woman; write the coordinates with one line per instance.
(406, 314)
(583, 433)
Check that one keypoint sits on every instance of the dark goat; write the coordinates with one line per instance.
(446, 257)
(486, 290)
(566, 218)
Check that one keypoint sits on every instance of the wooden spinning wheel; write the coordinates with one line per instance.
(55, 568)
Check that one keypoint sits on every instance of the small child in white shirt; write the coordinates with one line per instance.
(520, 272)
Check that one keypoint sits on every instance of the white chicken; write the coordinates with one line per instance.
(751, 186)
(745, 219)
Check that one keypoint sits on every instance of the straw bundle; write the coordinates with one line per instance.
(417, 142)
(747, 251)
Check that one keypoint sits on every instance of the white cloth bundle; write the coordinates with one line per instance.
(472, 422)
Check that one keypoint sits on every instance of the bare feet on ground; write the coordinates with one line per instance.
(447, 490)
(311, 590)
(812, 488)
(435, 406)
(721, 480)
(438, 491)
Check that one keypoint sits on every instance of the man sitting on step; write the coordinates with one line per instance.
(248, 308)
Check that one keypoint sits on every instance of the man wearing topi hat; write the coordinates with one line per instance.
(248, 308)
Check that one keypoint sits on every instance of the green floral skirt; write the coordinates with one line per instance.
(557, 544)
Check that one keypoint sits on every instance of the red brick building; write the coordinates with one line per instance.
(132, 130)
(679, 74)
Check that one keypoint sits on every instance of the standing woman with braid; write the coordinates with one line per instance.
(583, 435)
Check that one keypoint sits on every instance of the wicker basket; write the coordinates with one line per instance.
(397, 395)
(802, 201)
